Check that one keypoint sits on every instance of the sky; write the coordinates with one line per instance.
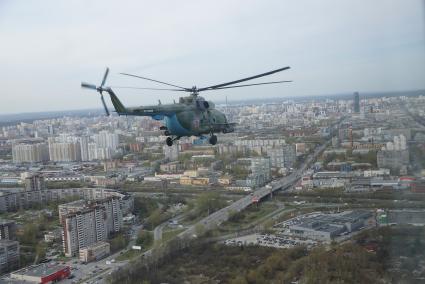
(48, 47)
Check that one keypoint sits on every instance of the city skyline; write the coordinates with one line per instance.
(331, 47)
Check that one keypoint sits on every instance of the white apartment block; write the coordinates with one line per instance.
(30, 153)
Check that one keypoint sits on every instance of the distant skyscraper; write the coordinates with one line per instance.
(50, 130)
(356, 102)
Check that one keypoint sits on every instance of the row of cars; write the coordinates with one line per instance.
(269, 241)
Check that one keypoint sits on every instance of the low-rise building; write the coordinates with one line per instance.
(41, 273)
(171, 167)
(184, 180)
(225, 180)
(94, 252)
(53, 236)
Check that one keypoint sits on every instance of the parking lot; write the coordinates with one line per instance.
(269, 240)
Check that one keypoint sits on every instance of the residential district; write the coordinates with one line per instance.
(82, 198)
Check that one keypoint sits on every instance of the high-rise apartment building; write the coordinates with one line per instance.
(282, 156)
(83, 228)
(9, 255)
(259, 170)
(7, 230)
(30, 153)
(85, 223)
(64, 151)
(98, 153)
(84, 148)
(106, 140)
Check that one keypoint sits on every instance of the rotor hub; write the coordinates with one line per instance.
(194, 91)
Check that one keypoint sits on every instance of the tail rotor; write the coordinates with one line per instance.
(100, 89)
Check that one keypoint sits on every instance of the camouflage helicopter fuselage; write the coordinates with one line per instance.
(192, 116)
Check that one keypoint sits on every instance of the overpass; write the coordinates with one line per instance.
(223, 214)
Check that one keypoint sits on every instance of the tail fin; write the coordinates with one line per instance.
(119, 107)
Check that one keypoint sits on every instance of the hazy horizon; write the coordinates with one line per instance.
(344, 96)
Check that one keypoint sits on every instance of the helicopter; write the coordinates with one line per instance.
(191, 116)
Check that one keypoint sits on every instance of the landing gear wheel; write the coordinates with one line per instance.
(213, 139)
(169, 141)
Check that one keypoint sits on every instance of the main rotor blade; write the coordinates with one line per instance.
(160, 82)
(105, 76)
(88, 86)
(104, 105)
(142, 88)
(244, 79)
(247, 85)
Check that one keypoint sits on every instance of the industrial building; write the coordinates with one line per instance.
(402, 217)
(40, 273)
(325, 227)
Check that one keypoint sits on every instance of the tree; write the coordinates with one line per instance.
(208, 202)
(40, 252)
(239, 280)
(29, 234)
(144, 239)
(118, 242)
(155, 218)
(144, 206)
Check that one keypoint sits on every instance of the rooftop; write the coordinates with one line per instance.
(40, 270)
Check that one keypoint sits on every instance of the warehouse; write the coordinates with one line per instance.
(41, 273)
(326, 227)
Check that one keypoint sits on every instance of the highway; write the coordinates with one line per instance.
(220, 216)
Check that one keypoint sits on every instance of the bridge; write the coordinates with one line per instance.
(223, 214)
